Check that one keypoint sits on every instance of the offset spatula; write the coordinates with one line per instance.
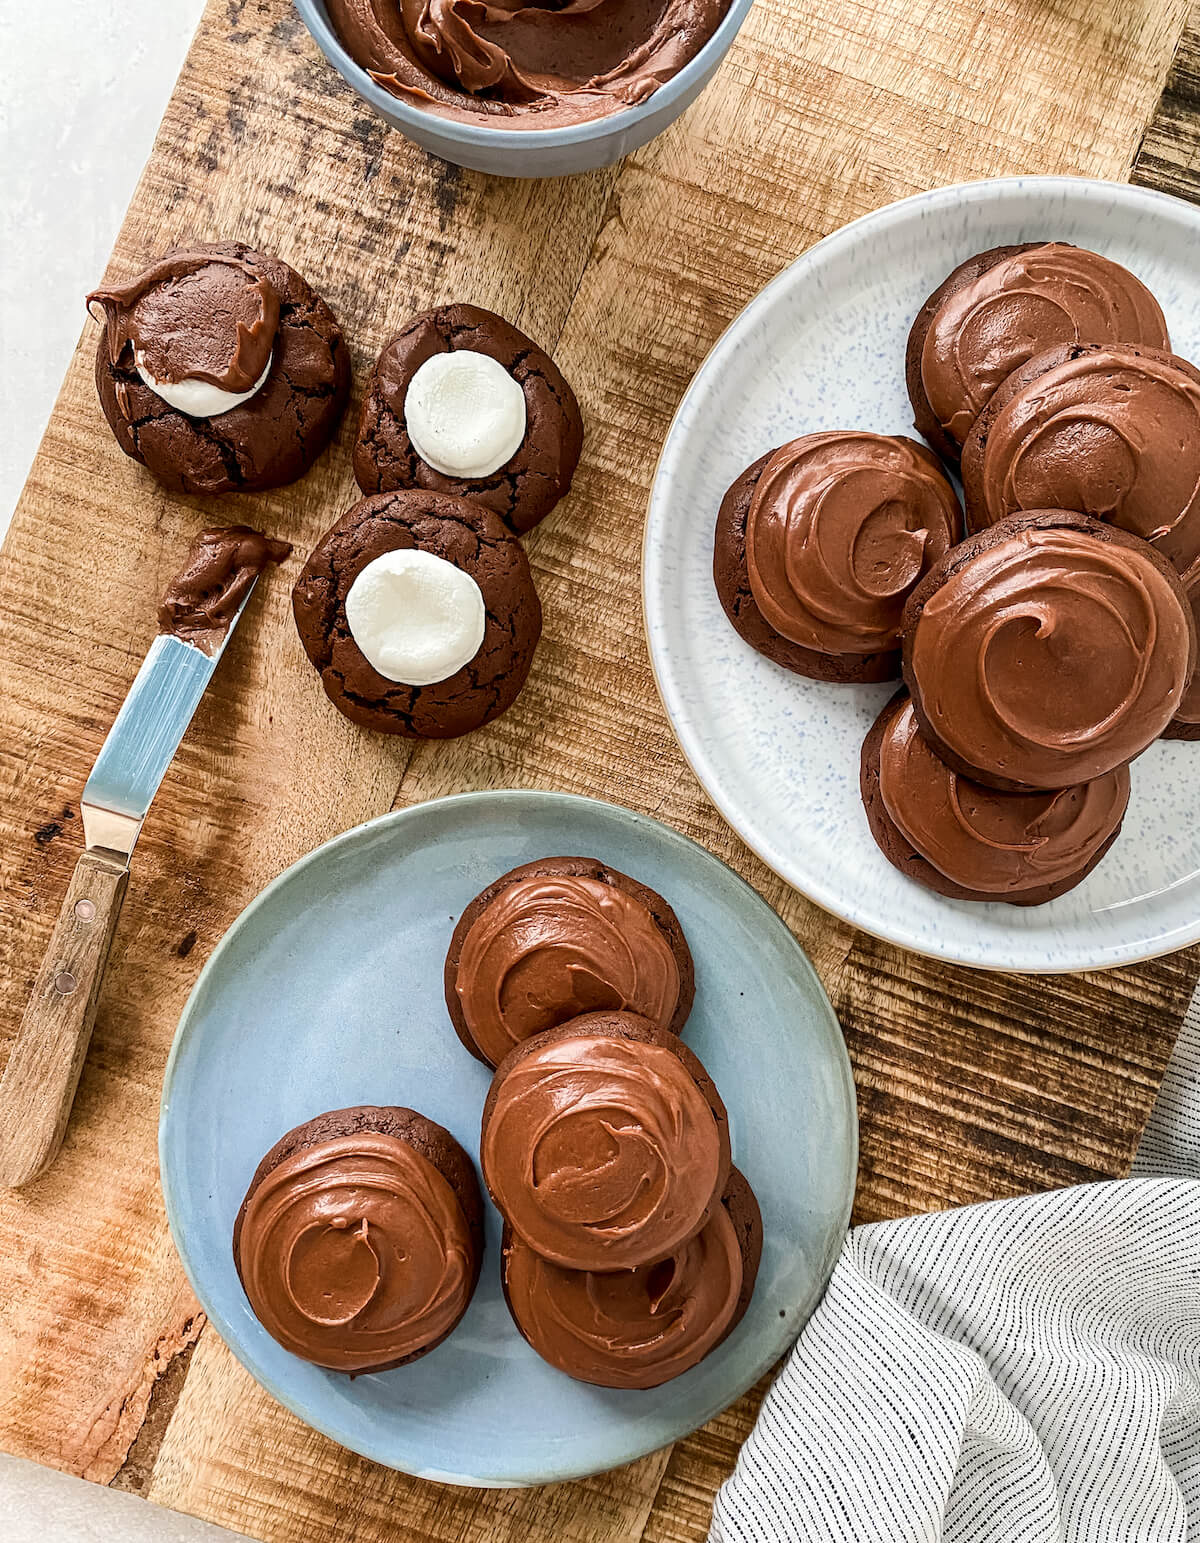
(39, 1082)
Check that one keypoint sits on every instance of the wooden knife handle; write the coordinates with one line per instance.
(38, 1087)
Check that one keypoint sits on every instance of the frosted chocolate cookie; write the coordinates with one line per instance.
(643, 1327)
(1108, 429)
(419, 612)
(219, 369)
(971, 842)
(560, 937)
(1000, 308)
(360, 1238)
(1047, 650)
(461, 402)
(820, 542)
(605, 1144)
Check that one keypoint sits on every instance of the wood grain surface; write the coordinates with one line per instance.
(970, 1085)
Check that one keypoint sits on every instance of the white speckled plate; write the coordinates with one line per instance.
(822, 347)
(327, 992)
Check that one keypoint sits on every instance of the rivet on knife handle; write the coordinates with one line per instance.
(47, 1056)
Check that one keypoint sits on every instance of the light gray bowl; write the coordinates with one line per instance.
(532, 152)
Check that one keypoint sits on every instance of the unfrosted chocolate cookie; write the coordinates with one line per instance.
(1000, 308)
(970, 842)
(644, 1327)
(559, 937)
(500, 423)
(249, 368)
(439, 594)
(840, 527)
(360, 1238)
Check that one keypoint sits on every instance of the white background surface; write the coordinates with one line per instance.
(83, 84)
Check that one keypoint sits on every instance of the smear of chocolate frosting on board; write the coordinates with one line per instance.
(1052, 657)
(1026, 303)
(841, 528)
(195, 315)
(629, 1328)
(355, 1252)
(524, 66)
(602, 1153)
(995, 843)
(547, 949)
(203, 598)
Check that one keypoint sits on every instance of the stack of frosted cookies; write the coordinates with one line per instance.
(1047, 649)
(631, 1243)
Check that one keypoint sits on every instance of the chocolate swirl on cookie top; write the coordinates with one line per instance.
(840, 529)
(549, 948)
(600, 1146)
(355, 1252)
(197, 314)
(993, 843)
(1030, 300)
(1047, 651)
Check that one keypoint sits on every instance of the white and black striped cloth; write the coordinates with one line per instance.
(1021, 1372)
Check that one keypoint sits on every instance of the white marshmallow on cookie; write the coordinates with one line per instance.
(199, 398)
(416, 618)
(465, 414)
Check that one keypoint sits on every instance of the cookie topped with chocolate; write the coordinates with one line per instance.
(998, 309)
(420, 614)
(219, 369)
(461, 402)
(819, 544)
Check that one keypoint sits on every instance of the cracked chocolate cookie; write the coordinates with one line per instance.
(420, 614)
(461, 402)
(219, 369)
(818, 543)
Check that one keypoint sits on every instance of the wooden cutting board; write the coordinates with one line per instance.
(970, 1085)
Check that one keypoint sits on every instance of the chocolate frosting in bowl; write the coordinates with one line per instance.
(202, 600)
(603, 1151)
(355, 1253)
(1048, 651)
(629, 1328)
(1019, 306)
(549, 948)
(524, 66)
(195, 315)
(994, 843)
(841, 528)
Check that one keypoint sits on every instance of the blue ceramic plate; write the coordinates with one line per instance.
(327, 991)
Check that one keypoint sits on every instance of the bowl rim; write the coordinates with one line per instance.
(315, 17)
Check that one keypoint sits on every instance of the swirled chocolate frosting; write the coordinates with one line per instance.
(1023, 304)
(1051, 656)
(629, 1328)
(195, 315)
(996, 843)
(525, 66)
(355, 1252)
(547, 949)
(841, 528)
(602, 1153)
(202, 600)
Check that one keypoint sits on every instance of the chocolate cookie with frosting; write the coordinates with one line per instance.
(461, 402)
(360, 1239)
(819, 543)
(1111, 430)
(219, 369)
(420, 614)
(1000, 308)
(1047, 651)
(643, 1327)
(971, 842)
(604, 1143)
(556, 938)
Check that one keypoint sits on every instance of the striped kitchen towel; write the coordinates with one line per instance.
(1021, 1372)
